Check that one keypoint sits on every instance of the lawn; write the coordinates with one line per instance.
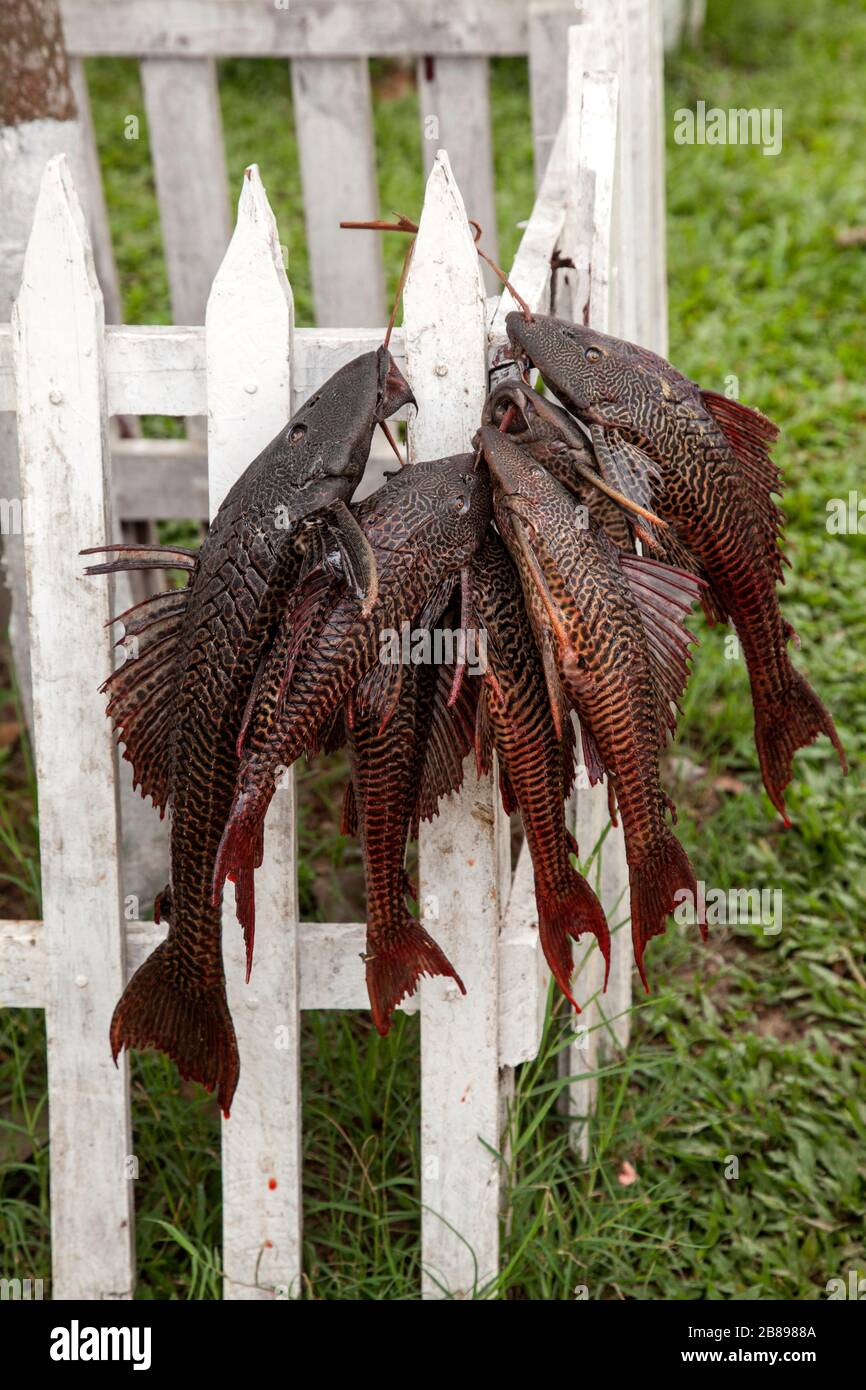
(739, 1110)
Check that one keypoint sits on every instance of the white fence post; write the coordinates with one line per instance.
(593, 215)
(444, 326)
(249, 327)
(58, 331)
(334, 122)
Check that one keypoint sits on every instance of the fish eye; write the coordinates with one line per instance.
(592, 354)
(460, 503)
(297, 433)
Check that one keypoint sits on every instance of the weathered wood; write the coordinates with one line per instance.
(658, 219)
(531, 272)
(186, 140)
(334, 122)
(593, 140)
(444, 328)
(94, 198)
(156, 370)
(63, 445)
(330, 966)
(249, 327)
(549, 22)
(299, 28)
(454, 102)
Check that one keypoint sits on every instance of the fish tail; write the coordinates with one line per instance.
(192, 1026)
(785, 724)
(562, 918)
(396, 962)
(655, 886)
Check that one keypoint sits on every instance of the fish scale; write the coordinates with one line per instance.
(239, 584)
(538, 766)
(597, 629)
(706, 461)
(423, 525)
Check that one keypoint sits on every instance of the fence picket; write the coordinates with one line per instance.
(454, 101)
(248, 329)
(58, 333)
(334, 123)
(250, 370)
(186, 139)
(444, 328)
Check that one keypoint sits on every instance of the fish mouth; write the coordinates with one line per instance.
(394, 389)
(489, 440)
(505, 409)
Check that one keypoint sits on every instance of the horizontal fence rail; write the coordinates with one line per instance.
(246, 370)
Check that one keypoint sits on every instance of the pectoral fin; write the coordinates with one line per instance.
(335, 540)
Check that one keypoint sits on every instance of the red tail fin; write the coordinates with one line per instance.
(654, 886)
(192, 1026)
(781, 727)
(562, 918)
(395, 964)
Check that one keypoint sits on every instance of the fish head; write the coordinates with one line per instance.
(603, 380)
(536, 422)
(328, 439)
(441, 507)
(522, 486)
(393, 390)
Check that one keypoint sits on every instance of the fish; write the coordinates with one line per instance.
(423, 526)
(398, 775)
(609, 627)
(703, 462)
(554, 438)
(177, 704)
(536, 766)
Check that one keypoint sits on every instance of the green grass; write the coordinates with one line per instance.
(751, 1049)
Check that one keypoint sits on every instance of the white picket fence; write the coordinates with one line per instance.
(600, 205)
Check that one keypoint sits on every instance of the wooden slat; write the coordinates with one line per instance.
(249, 350)
(549, 22)
(594, 186)
(63, 448)
(93, 198)
(303, 28)
(156, 370)
(183, 117)
(444, 327)
(334, 124)
(658, 219)
(530, 273)
(331, 968)
(454, 103)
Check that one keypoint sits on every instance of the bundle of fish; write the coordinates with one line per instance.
(576, 539)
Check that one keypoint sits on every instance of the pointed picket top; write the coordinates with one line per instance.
(248, 328)
(58, 222)
(58, 343)
(249, 324)
(444, 323)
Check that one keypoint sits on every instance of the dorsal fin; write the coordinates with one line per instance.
(664, 597)
(750, 435)
(450, 740)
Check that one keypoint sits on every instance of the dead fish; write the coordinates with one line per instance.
(423, 526)
(609, 629)
(703, 462)
(536, 766)
(178, 704)
(399, 773)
